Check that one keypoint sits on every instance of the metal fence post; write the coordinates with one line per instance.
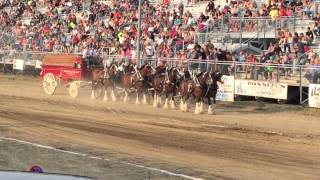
(235, 69)
(139, 35)
(300, 84)
(183, 45)
(294, 23)
(221, 25)
(240, 33)
(278, 73)
(255, 72)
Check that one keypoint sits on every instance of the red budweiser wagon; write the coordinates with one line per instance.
(68, 70)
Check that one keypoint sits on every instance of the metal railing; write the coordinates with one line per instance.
(293, 75)
(250, 24)
(241, 70)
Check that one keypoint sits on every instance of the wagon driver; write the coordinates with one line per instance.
(87, 56)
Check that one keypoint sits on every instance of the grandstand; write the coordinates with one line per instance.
(218, 24)
(172, 29)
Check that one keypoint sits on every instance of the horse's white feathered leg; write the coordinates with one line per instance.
(113, 96)
(125, 99)
(105, 98)
(181, 105)
(137, 100)
(92, 94)
(155, 99)
(166, 104)
(210, 110)
(185, 107)
(213, 109)
(196, 110)
(173, 106)
(201, 108)
(144, 99)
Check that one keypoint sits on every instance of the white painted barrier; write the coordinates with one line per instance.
(226, 90)
(264, 89)
(18, 64)
(314, 95)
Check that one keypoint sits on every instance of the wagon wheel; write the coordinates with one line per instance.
(73, 89)
(50, 83)
(98, 91)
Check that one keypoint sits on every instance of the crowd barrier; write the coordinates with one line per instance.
(245, 79)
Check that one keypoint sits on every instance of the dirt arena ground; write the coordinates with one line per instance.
(244, 140)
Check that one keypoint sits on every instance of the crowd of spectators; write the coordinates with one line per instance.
(78, 26)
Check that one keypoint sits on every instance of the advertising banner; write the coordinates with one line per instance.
(38, 64)
(226, 90)
(261, 89)
(18, 64)
(314, 95)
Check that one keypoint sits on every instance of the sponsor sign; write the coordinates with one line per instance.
(314, 95)
(261, 89)
(18, 64)
(38, 64)
(226, 90)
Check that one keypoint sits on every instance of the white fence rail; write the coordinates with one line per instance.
(249, 79)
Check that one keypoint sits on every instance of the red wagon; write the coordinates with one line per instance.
(68, 70)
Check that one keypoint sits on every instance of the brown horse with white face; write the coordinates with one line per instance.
(211, 90)
(171, 84)
(194, 87)
(158, 84)
(110, 77)
(127, 80)
(97, 75)
(141, 80)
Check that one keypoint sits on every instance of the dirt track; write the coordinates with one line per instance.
(243, 141)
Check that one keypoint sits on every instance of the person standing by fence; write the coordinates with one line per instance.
(251, 60)
(149, 49)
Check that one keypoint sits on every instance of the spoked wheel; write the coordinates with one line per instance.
(50, 83)
(73, 89)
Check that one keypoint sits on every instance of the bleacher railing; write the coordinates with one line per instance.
(235, 68)
(239, 28)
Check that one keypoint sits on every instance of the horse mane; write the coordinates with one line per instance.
(215, 75)
(113, 65)
(200, 74)
(160, 70)
(143, 66)
(127, 68)
(187, 74)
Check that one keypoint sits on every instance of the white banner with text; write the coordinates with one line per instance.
(226, 90)
(261, 89)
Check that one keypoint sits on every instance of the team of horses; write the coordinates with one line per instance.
(158, 82)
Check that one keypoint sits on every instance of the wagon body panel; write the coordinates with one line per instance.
(70, 70)
(65, 74)
(65, 67)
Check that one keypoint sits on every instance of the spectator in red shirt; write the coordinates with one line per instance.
(249, 68)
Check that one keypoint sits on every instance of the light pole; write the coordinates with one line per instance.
(139, 35)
